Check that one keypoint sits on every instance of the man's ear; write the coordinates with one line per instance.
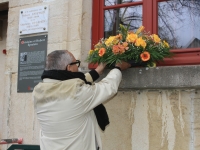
(68, 68)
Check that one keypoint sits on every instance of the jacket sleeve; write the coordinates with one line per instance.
(93, 95)
(91, 76)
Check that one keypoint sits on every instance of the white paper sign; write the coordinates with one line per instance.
(33, 20)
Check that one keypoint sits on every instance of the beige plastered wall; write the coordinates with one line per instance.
(139, 119)
(2, 68)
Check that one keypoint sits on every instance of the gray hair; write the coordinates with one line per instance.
(58, 60)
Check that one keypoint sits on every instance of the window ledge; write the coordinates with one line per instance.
(162, 77)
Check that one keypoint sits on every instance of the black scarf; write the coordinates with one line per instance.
(100, 111)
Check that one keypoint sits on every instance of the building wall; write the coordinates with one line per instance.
(2, 68)
(153, 120)
(164, 119)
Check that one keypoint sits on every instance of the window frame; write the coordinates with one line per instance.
(189, 56)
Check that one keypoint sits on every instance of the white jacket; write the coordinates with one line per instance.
(65, 111)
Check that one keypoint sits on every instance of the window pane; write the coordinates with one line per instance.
(113, 18)
(115, 2)
(179, 23)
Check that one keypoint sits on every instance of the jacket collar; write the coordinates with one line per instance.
(48, 80)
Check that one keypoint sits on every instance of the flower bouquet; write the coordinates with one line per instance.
(139, 49)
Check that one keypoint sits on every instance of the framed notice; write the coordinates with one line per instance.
(31, 62)
(33, 20)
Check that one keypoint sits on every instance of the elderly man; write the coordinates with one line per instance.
(65, 100)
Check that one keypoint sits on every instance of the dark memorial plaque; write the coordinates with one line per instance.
(31, 62)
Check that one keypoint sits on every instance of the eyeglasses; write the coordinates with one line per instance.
(77, 62)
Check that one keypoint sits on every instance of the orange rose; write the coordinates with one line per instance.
(145, 56)
(121, 48)
(115, 49)
(102, 52)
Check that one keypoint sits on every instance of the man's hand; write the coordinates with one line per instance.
(123, 65)
(100, 68)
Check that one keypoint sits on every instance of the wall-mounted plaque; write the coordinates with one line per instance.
(31, 62)
(33, 20)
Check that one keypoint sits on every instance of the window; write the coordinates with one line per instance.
(175, 21)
